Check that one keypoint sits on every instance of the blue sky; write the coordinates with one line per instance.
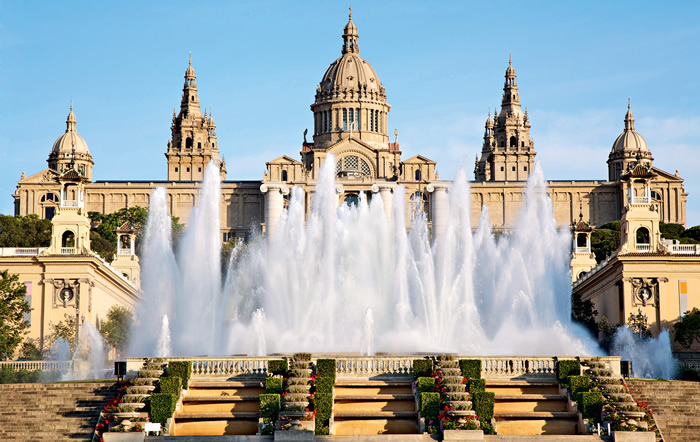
(258, 65)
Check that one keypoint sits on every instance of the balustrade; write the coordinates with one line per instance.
(70, 203)
(38, 365)
(517, 366)
(685, 249)
(374, 366)
(67, 250)
(643, 247)
(641, 200)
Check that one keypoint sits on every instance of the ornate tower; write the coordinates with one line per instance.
(193, 143)
(627, 150)
(508, 153)
(639, 225)
(350, 100)
(70, 151)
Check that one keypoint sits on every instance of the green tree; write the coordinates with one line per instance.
(671, 231)
(607, 332)
(691, 234)
(687, 330)
(584, 312)
(64, 330)
(103, 240)
(24, 231)
(30, 351)
(116, 327)
(13, 306)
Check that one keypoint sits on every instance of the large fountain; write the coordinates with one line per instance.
(347, 279)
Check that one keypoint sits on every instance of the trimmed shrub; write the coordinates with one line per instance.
(429, 405)
(269, 406)
(426, 385)
(274, 385)
(182, 370)
(422, 368)
(302, 357)
(162, 407)
(277, 367)
(170, 384)
(590, 404)
(476, 385)
(578, 384)
(471, 368)
(566, 369)
(323, 404)
(482, 404)
(325, 381)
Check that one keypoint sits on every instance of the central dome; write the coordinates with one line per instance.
(350, 73)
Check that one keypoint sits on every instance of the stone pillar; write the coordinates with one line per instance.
(439, 206)
(385, 190)
(274, 204)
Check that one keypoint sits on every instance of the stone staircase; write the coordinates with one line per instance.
(226, 407)
(532, 408)
(676, 406)
(365, 407)
(52, 412)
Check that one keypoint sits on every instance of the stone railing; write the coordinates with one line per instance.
(38, 365)
(216, 366)
(685, 249)
(21, 251)
(67, 250)
(595, 269)
(643, 247)
(374, 365)
(70, 203)
(510, 367)
(641, 200)
(582, 250)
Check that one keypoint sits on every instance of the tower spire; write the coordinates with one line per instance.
(350, 37)
(629, 118)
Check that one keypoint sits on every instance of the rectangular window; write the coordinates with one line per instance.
(357, 119)
(188, 169)
(28, 297)
(525, 168)
(682, 297)
(513, 168)
(176, 169)
(376, 121)
(351, 120)
(345, 119)
(371, 120)
(330, 121)
(200, 169)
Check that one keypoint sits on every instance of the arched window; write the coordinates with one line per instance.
(352, 200)
(417, 174)
(68, 239)
(581, 240)
(642, 235)
(284, 175)
(513, 142)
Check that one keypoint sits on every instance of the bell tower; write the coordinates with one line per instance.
(193, 143)
(508, 153)
(640, 214)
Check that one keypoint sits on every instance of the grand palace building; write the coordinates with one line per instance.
(351, 121)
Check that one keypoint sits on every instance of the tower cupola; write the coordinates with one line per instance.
(70, 151)
(350, 99)
(629, 149)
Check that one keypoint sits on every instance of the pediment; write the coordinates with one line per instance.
(45, 176)
(284, 159)
(352, 144)
(665, 176)
(418, 159)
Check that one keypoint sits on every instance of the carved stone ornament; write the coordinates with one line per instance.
(645, 291)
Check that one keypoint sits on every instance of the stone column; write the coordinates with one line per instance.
(439, 207)
(385, 190)
(274, 204)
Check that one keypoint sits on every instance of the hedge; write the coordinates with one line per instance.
(471, 368)
(274, 385)
(277, 367)
(170, 384)
(426, 385)
(578, 384)
(269, 406)
(590, 404)
(566, 369)
(476, 385)
(323, 404)
(482, 402)
(182, 370)
(429, 405)
(422, 368)
(162, 407)
(325, 380)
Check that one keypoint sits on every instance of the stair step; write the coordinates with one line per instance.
(227, 384)
(498, 383)
(375, 397)
(220, 415)
(190, 398)
(530, 397)
(536, 415)
(374, 414)
(372, 383)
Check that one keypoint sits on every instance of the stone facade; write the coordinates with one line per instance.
(350, 115)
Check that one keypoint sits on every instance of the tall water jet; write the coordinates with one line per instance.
(164, 349)
(89, 356)
(651, 357)
(259, 332)
(368, 334)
